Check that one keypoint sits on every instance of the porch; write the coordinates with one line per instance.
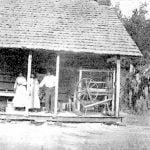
(64, 117)
(69, 70)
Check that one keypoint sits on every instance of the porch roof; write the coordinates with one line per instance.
(64, 25)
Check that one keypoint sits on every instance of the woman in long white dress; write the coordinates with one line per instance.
(34, 101)
(20, 97)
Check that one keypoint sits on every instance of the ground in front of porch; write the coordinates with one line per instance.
(86, 136)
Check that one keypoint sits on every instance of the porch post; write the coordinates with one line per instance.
(28, 75)
(117, 86)
(113, 94)
(57, 83)
(80, 77)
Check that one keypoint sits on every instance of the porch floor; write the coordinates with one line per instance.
(67, 117)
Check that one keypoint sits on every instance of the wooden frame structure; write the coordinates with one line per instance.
(99, 28)
(115, 86)
(116, 82)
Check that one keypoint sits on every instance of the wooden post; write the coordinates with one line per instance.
(57, 84)
(117, 86)
(113, 94)
(80, 77)
(28, 76)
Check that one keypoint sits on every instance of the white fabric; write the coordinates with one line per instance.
(48, 81)
(33, 101)
(20, 97)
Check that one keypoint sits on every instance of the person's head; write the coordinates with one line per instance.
(32, 75)
(48, 73)
(20, 74)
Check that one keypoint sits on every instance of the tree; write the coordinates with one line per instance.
(138, 27)
(136, 94)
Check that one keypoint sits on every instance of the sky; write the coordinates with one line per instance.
(127, 6)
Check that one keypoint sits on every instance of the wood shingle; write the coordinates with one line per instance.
(64, 25)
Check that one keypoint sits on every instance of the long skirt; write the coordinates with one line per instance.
(33, 100)
(20, 97)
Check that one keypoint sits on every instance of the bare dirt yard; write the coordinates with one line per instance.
(133, 135)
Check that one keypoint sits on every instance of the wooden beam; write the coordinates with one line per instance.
(97, 103)
(80, 77)
(117, 86)
(57, 83)
(70, 119)
(114, 87)
(94, 70)
(29, 75)
(112, 59)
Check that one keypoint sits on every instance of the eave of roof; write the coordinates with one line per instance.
(64, 25)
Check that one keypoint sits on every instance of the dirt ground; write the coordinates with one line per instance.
(134, 134)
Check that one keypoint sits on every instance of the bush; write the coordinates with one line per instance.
(135, 95)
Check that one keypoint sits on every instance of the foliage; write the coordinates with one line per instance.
(136, 88)
(136, 92)
(139, 29)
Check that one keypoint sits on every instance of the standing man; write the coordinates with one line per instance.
(49, 83)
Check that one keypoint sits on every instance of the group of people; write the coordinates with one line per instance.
(30, 99)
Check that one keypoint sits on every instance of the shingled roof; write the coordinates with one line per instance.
(64, 25)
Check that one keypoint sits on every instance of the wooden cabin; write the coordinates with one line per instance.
(78, 39)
